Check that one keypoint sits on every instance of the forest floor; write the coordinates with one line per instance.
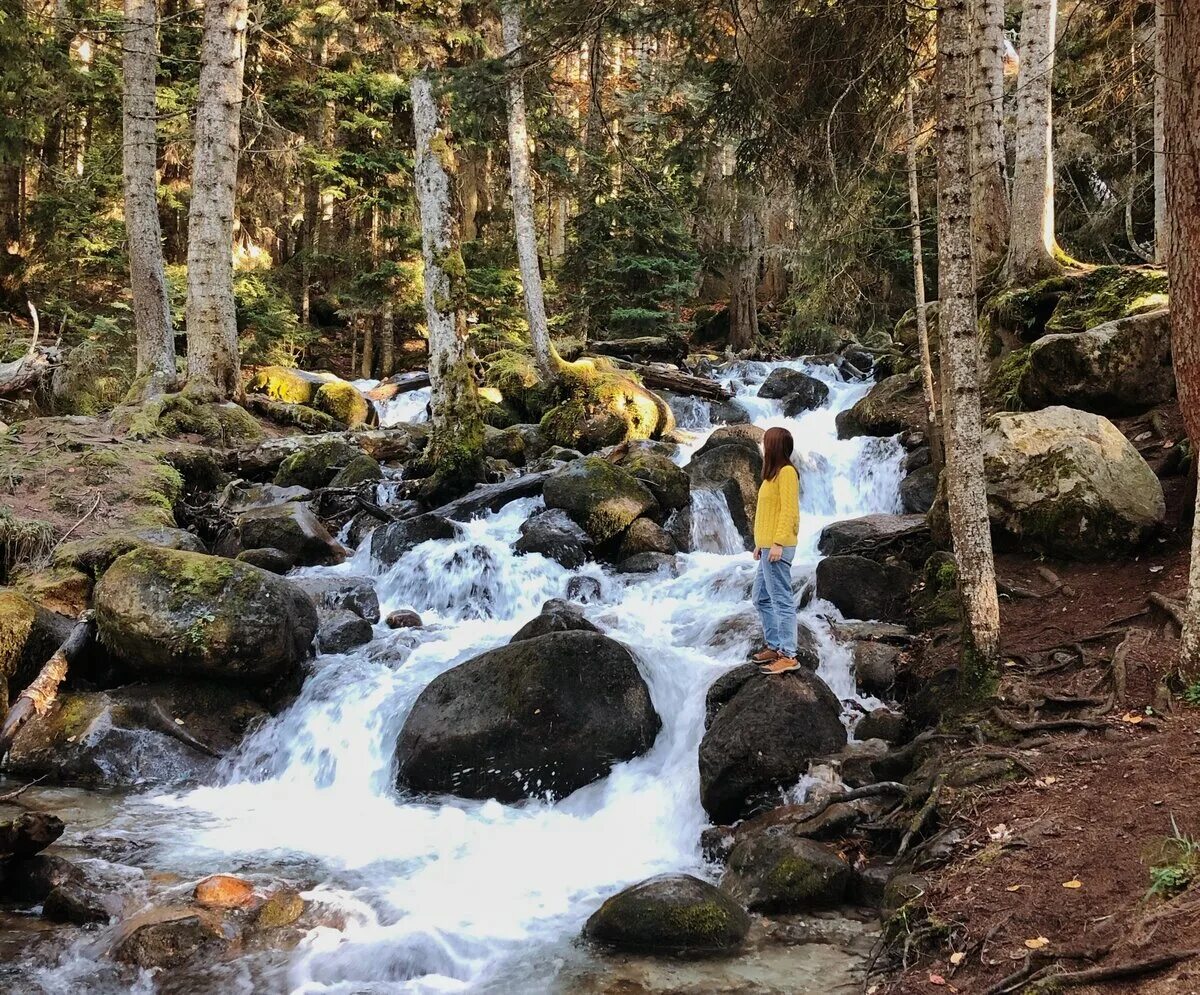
(1085, 860)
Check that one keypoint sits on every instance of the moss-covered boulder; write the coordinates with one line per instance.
(604, 407)
(673, 915)
(892, 406)
(95, 555)
(167, 613)
(536, 718)
(18, 620)
(513, 377)
(173, 416)
(775, 870)
(666, 481)
(360, 470)
(1120, 367)
(604, 500)
(158, 733)
(1069, 483)
(316, 465)
(290, 527)
(283, 383)
(59, 589)
(645, 536)
(343, 401)
(506, 444)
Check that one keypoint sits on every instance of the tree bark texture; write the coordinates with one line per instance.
(989, 192)
(966, 489)
(151, 303)
(1032, 247)
(213, 361)
(1161, 222)
(743, 305)
(1182, 148)
(524, 223)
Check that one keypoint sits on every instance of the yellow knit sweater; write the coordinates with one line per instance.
(777, 519)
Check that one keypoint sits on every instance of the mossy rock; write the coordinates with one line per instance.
(604, 500)
(292, 386)
(64, 590)
(514, 378)
(774, 870)
(667, 482)
(894, 405)
(672, 914)
(299, 415)
(315, 466)
(17, 617)
(94, 556)
(507, 444)
(171, 416)
(343, 401)
(605, 407)
(360, 470)
(283, 908)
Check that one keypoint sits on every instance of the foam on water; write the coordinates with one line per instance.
(453, 895)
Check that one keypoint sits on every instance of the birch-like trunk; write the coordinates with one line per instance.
(524, 223)
(743, 305)
(957, 318)
(989, 191)
(387, 341)
(1161, 222)
(1032, 247)
(147, 277)
(213, 362)
(456, 440)
(1181, 113)
(914, 204)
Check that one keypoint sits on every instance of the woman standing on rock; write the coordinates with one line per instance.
(776, 522)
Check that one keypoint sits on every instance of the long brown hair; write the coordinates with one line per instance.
(777, 451)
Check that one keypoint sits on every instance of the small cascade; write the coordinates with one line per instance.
(713, 530)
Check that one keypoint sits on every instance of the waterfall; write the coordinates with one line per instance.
(713, 530)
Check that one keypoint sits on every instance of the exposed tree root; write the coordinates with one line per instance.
(1045, 725)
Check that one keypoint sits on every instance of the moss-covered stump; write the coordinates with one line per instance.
(777, 871)
(604, 500)
(166, 613)
(671, 914)
(894, 405)
(1069, 483)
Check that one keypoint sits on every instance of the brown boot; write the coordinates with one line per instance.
(780, 665)
(766, 656)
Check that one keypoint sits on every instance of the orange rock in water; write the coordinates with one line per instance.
(224, 891)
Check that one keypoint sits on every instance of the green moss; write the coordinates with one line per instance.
(360, 470)
(59, 589)
(17, 615)
(1003, 389)
(515, 375)
(343, 401)
(172, 416)
(795, 881)
(281, 909)
(315, 466)
(1107, 293)
(284, 384)
(22, 541)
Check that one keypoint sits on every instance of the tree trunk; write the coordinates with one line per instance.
(959, 339)
(151, 303)
(387, 341)
(1181, 114)
(989, 192)
(456, 438)
(773, 286)
(1032, 248)
(524, 223)
(743, 305)
(1161, 222)
(213, 361)
(914, 203)
(368, 348)
(10, 202)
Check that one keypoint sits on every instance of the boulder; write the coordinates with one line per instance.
(80, 903)
(1120, 367)
(761, 734)
(727, 413)
(240, 495)
(881, 723)
(355, 594)
(360, 470)
(556, 616)
(776, 870)
(506, 444)
(404, 618)
(918, 490)
(167, 613)
(542, 716)
(343, 401)
(878, 537)
(392, 541)
(554, 534)
(865, 589)
(645, 536)
(94, 556)
(746, 435)
(875, 667)
(647, 563)
(658, 472)
(584, 590)
(316, 465)
(735, 469)
(130, 737)
(602, 499)
(28, 834)
(892, 406)
(672, 915)
(783, 382)
(811, 396)
(274, 561)
(1069, 483)
(341, 630)
(28, 881)
(292, 528)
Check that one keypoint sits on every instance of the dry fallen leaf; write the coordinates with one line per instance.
(957, 957)
(1073, 883)
(1045, 782)
(1000, 833)
(1013, 887)
(1037, 943)
(936, 979)
(1132, 718)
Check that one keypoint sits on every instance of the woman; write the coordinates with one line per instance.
(776, 523)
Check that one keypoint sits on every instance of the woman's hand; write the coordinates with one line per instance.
(775, 554)
(757, 554)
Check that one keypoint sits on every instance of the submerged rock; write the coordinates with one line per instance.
(602, 499)
(392, 541)
(761, 734)
(673, 915)
(777, 871)
(169, 613)
(541, 716)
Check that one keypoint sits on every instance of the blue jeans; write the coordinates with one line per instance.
(775, 602)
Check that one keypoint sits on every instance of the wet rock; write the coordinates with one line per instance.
(404, 618)
(292, 528)
(918, 490)
(878, 537)
(492, 497)
(875, 667)
(556, 616)
(808, 398)
(79, 903)
(554, 534)
(761, 734)
(274, 561)
(778, 871)
(283, 908)
(659, 473)
(28, 881)
(673, 915)
(882, 723)
(1069, 483)
(679, 528)
(914, 459)
(28, 834)
(169, 937)
(130, 736)
(553, 458)
(584, 590)
(538, 717)
(645, 536)
(647, 563)
(1117, 368)
(316, 465)
(224, 891)
(735, 469)
(354, 594)
(166, 613)
(782, 382)
(892, 406)
(341, 630)
(360, 470)
(601, 498)
(392, 541)
(727, 413)
(749, 437)
(240, 496)
(864, 589)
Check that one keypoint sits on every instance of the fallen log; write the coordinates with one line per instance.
(28, 834)
(39, 696)
(30, 369)
(492, 497)
(660, 376)
(395, 386)
(646, 347)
